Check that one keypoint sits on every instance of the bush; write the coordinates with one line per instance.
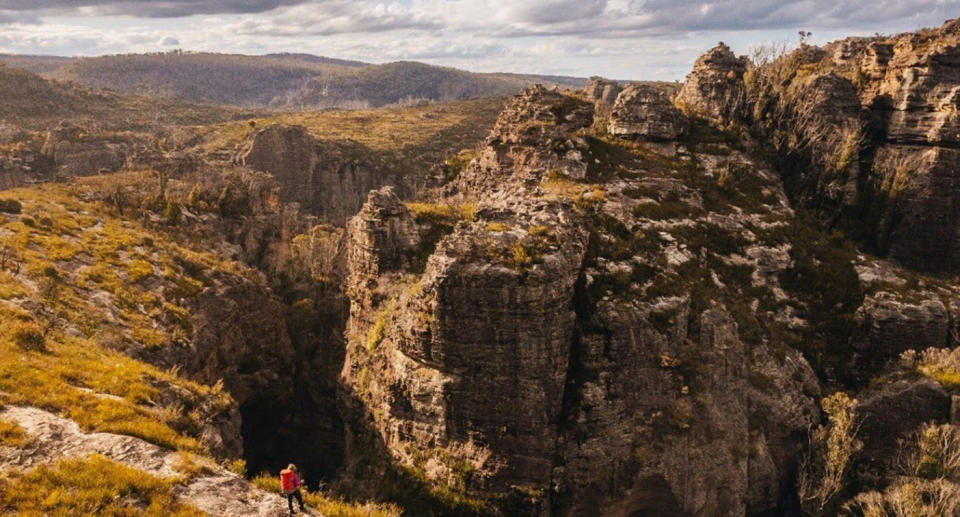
(172, 213)
(12, 435)
(823, 471)
(28, 336)
(927, 481)
(139, 270)
(237, 466)
(10, 206)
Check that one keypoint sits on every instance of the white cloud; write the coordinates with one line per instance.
(619, 38)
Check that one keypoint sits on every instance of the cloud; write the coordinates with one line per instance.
(635, 18)
(339, 17)
(145, 8)
(11, 17)
(619, 38)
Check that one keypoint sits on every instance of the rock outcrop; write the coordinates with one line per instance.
(214, 490)
(559, 341)
(75, 152)
(867, 128)
(645, 112)
(602, 91)
(715, 89)
(329, 179)
(891, 416)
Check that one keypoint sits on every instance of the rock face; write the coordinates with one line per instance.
(531, 138)
(715, 89)
(287, 152)
(76, 153)
(602, 91)
(559, 343)
(890, 415)
(644, 112)
(240, 336)
(329, 179)
(892, 326)
(867, 128)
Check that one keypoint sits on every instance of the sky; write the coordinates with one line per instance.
(622, 39)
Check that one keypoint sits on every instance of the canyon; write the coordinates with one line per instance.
(734, 296)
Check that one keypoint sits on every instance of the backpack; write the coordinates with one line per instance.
(288, 480)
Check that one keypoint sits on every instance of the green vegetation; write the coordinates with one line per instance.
(928, 481)
(453, 166)
(939, 364)
(289, 81)
(27, 335)
(436, 221)
(90, 486)
(34, 103)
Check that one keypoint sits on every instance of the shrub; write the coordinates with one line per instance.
(139, 270)
(237, 466)
(823, 471)
(497, 227)
(10, 206)
(172, 213)
(927, 484)
(28, 335)
(267, 482)
(12, 435)
(190, 466)
(520, 257)
(539, 231)
(376, 333)
(938, 452)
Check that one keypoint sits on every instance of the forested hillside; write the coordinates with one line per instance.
(281, 81)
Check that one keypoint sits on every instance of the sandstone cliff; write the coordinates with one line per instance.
(583, 341)
(865, 128)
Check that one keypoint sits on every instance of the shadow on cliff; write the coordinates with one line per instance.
(307, 429)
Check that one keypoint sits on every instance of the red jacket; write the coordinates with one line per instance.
(289, 480)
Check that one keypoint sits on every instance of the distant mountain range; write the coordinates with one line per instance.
(281, 81)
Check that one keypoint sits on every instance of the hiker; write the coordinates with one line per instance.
(290, 483)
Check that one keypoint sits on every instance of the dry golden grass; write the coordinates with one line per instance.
(90, 486)
(330, 506)
(426, 212)
(80, 285)
(12, 435)
(378, 129)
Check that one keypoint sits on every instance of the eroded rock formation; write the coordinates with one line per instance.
(866, 128)
(645, 112)
(602, 91)
(552, 344)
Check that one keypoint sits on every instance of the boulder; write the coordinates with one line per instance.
(715, 89)
(645, 112)
(889, 415)
(602, 91)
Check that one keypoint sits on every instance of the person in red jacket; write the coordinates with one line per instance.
(290, 483)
